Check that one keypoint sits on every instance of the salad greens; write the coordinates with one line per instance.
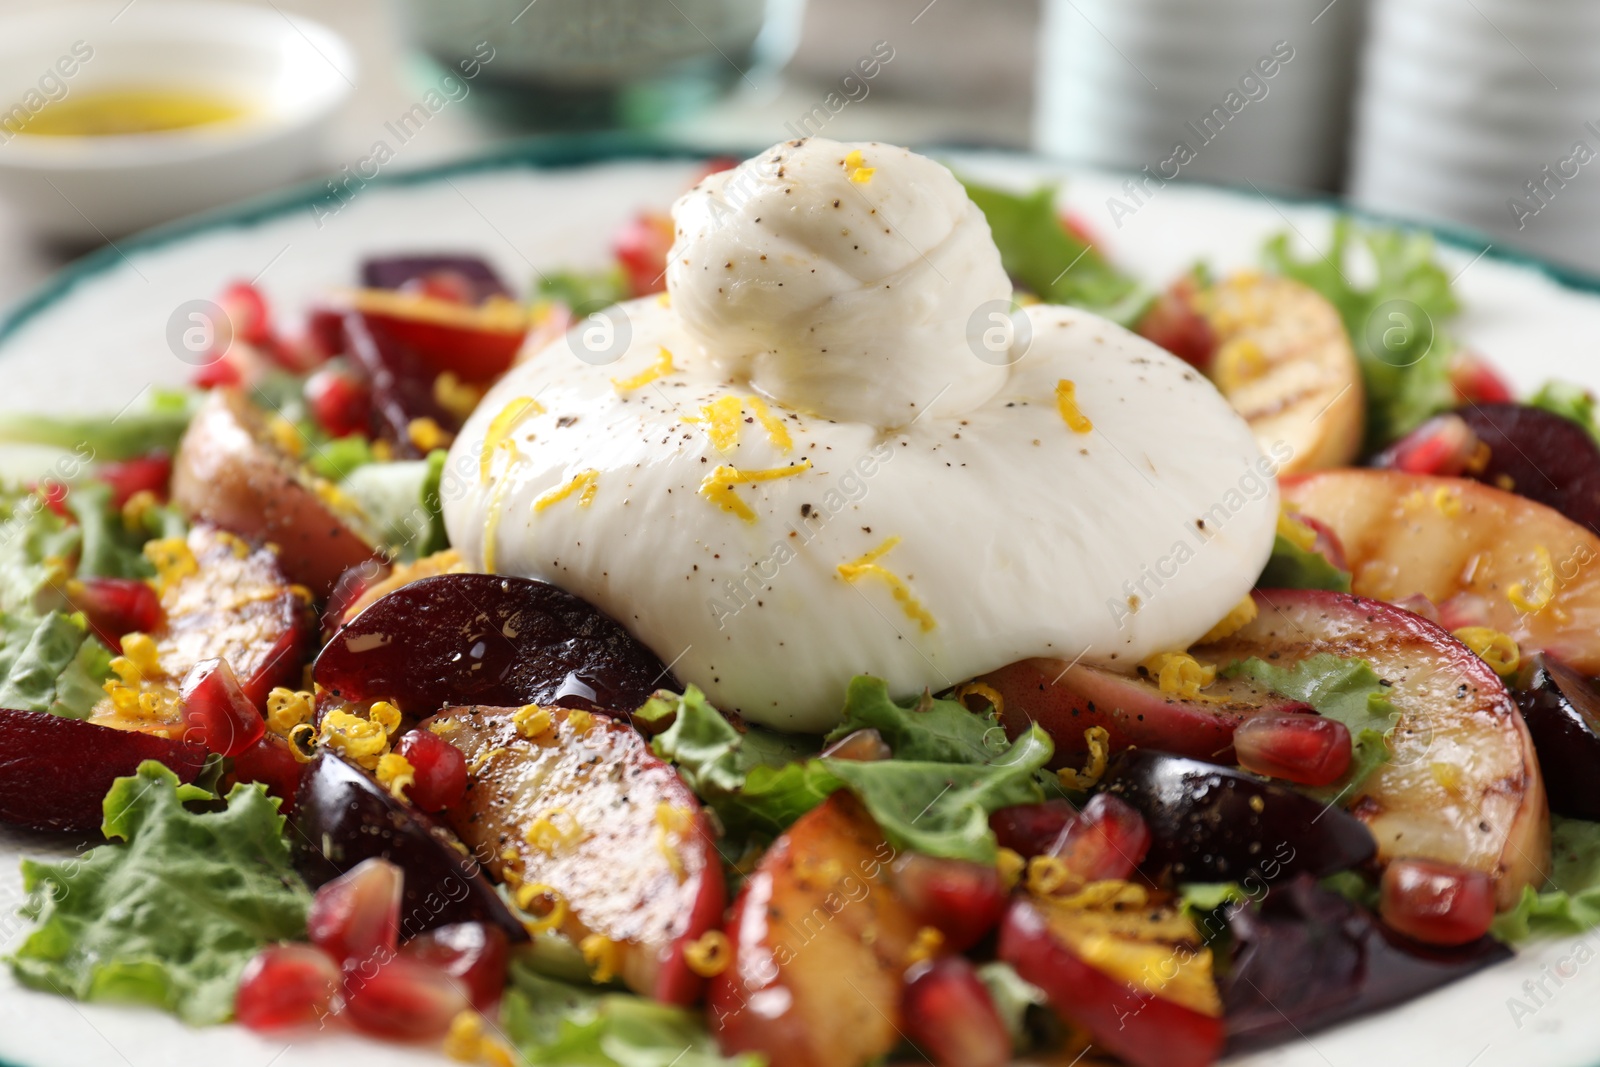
(584, 293)
(48, 659)
(935, 796)
(557, 1023)
(1293, 567)
(1570, 901)
(1045, 258)
(401, 503)
(1569, 401)
(1395, 325)
(125, 435)
(1348, 690)
(171, 916)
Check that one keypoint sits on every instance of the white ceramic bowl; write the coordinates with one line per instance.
(291, 73)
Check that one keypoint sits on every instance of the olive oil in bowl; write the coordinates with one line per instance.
(127, 112)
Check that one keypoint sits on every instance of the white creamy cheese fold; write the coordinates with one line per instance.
(765, 489)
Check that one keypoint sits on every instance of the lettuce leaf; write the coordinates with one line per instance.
(555, 1023)
(1044, 258)
(584, 293)
(1293, 567)
(51, 664)
(170, 916)
(943, 809)
(1570, 902)
(757, 781)
(937, 731)
(109, 437)
(109, 549)
(1570, 402)
(400, 502)
(1396, 325)
(1344, 689)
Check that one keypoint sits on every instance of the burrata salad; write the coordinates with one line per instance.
(861, 624)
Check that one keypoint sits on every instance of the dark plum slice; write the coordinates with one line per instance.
(1307, 958)
(459, 639)
(401, 379)
(1562, 710)
(342, 817)
(1217, 824)
(1540, 455)
(393, 272)
(55, 771)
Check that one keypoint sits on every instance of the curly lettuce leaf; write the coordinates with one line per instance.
(757, 781)
(937, 731)
(170, 916)
(555, 1023)
(1293, 567)
(943, 809)
(1043, 257)
(125, 435)
(584, 293)
(1404, 355)
(1348, 690)
(109, 549)
(1570, 902)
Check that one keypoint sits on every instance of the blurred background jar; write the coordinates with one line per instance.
(599, 64)
(1226, 90)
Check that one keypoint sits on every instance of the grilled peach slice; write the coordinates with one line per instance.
(1462, 783)
(1067, 699)
(820, 946)
(1285, 363)
(230, 472)
(223, 600)
(1521, 567)
(589, 827)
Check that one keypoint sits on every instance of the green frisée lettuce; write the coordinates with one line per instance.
(1045, 258)
(1396, 324)
(1348, 690)
(938, 731)
(1570, 902)
(171, 914)
(556, 1023)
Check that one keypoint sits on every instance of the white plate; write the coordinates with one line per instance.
(96, 339)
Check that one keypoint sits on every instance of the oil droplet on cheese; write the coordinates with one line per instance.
(121, 112)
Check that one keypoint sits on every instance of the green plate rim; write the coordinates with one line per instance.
(578, 150)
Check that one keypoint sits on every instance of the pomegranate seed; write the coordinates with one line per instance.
(356, 917)
(949, 1016)
(1107, 841)
(1436, 903)
(150, 473)
(863, 746)
(1308, 749)
(271, 762)
(474, 954)
(53, 495)
(641, 248)
(1076, 225)
(325, 332)
(450, 286)
(218, 374)
(339, 402)
(247, 313)
(1418, 604)
(286, 985)
(218, 714)
(1463, 610)
(1174, 324)
(441, 779)
(1443, 445)
(960, 899)
(1476, 381)
(1030, 829)
(404, 999)
(1327, 542)
(117, 606)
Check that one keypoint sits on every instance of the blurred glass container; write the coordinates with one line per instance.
(1222, 90)
(602, 64)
